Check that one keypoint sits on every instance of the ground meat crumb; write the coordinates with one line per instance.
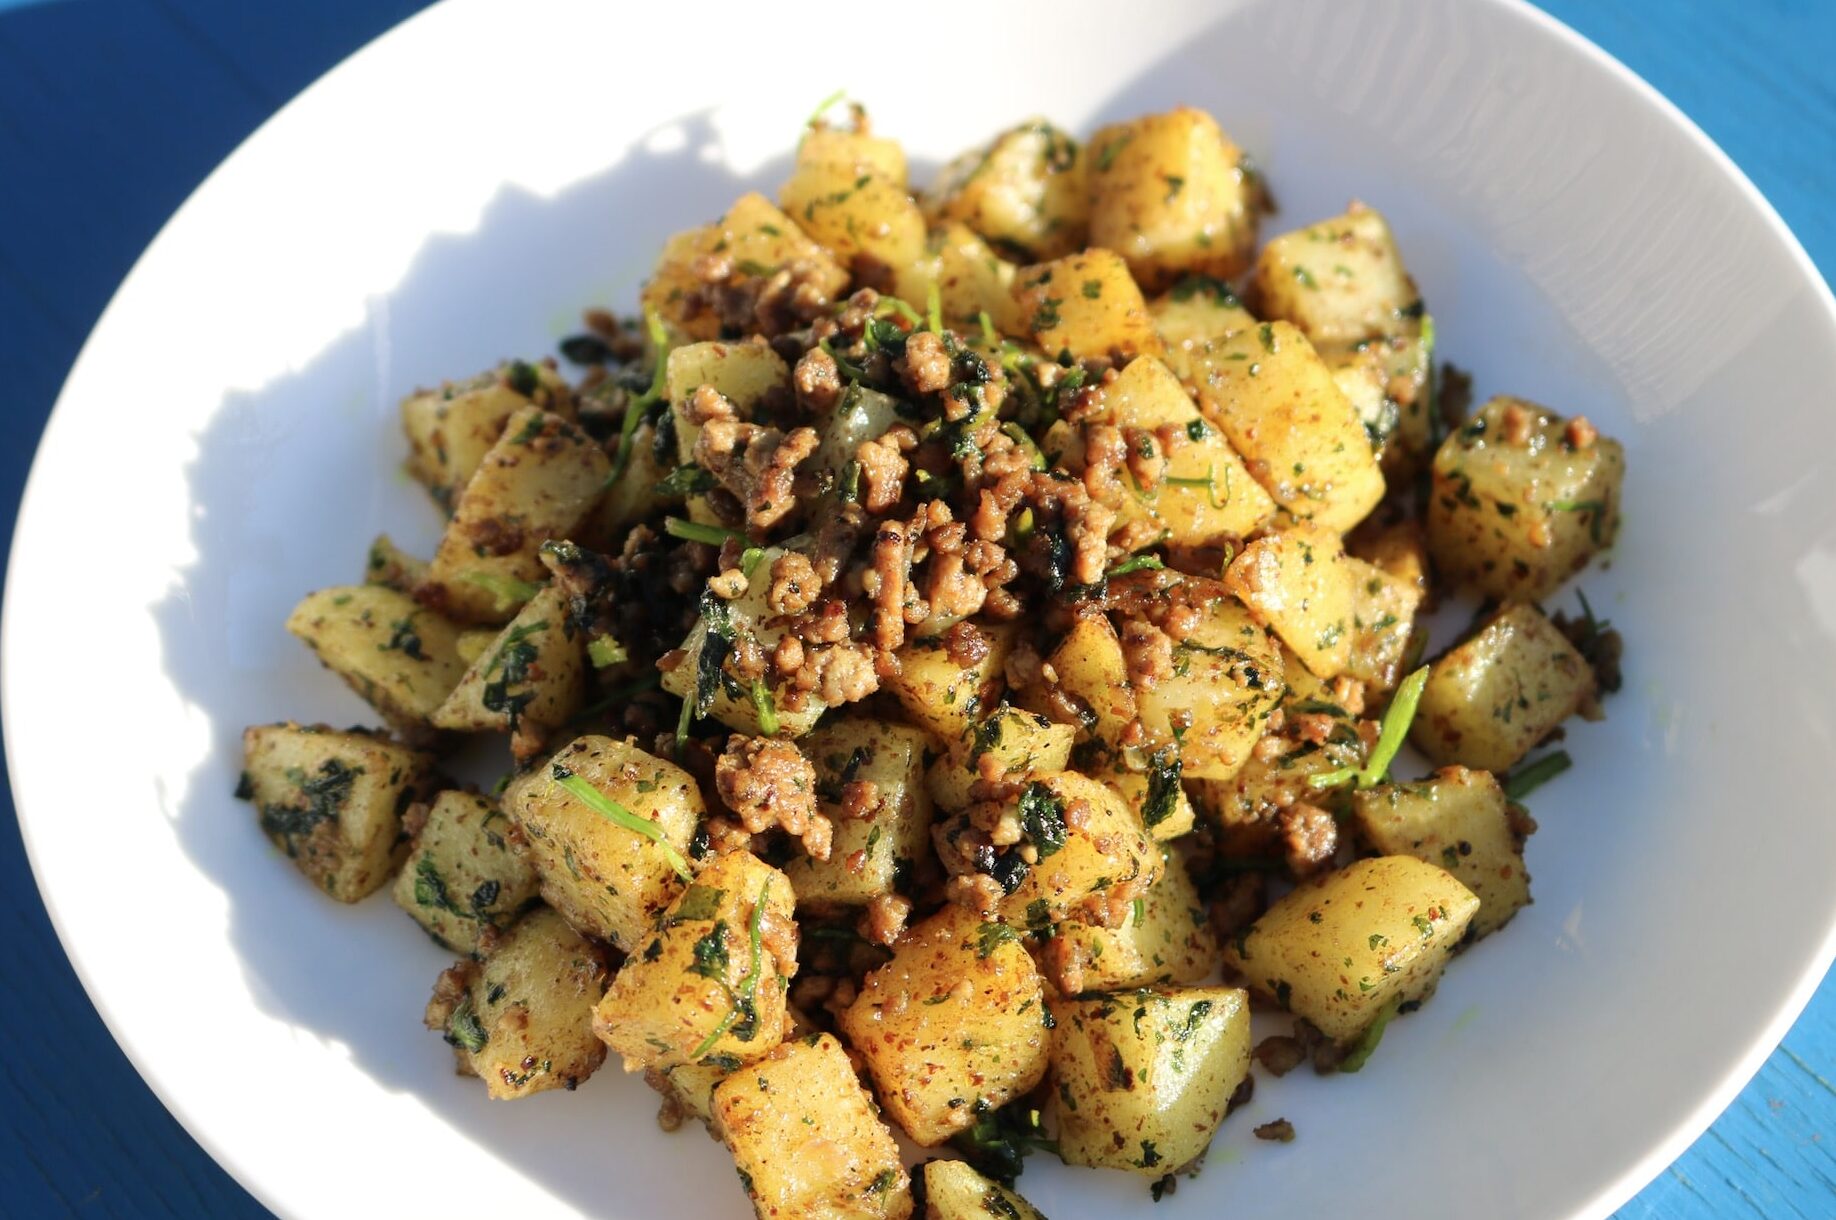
(1310, 836)
(1063, 961)
(1581, 433)
(1516, 425)
(794, 584)
(766, 783)
(817, 380)
(925, 365)
(1281, 1130)
(883, 471)
(885, 918)
(978, 893)
(707, 404)
(860, 799)
(671, 1112)
(966, 645)
(1280, 1054)
(758, 466)
(1148, 652)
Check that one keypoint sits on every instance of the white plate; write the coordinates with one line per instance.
(458, 190)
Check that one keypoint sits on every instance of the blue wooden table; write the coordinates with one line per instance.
(111, 111)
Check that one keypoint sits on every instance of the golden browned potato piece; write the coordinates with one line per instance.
(1282, 410)
(877, 765)
(1024, 191)
(956, 1018)
(1085, 304)
(535, 670)
(1142, 1078)
(332, 801)
(1166, 938)
(1342, 950)
(1522, 499)
(807, 1139)
(709, 986)
(606, 877)
(451, 429)
(1299, 581)
(943, 697)
(1341, 281)
(1459, 820)
(462, 880)
(1500, 691)
(1169, 193)
(953, 1191)
(522, 1020)
(401, 657)
(1009, 743)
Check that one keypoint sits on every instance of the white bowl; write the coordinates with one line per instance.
(458, 190)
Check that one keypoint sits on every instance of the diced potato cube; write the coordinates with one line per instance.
(1166, 938)
(1083, 862)
(1300, 583)
(807, 1139)
(1459, 820)
(954, 1191)
(708, 652)
(757, 239)
(860, 415)
(692, 1085)
(956, 1018)
(522, 1020)
(1492, 697)
(634, 496)
(538, 482)
(1384, 608)
(462, 878)
(865, 220)
(1522, 499)
(946, 698)
(1142, 1078)
(608, 880)
(1195, 311)
(970, 278)
(534, 670)
(451, 429)
(332, 801)
(473, 641)
(1092, 673)
(1399, 548)
(1302, 440)
(1170, 193)
(1087, 305)
(391, 567)
(861, 151)
(707, 988)
(892, 839)
(1340, 281)
(1205, 495)
(1024, 191)
(1226, 679)
(1341, 950)
(401, 657)
(1022, 743)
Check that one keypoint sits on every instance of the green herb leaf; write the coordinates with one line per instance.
(1533, 775)
(695, 531)
(1390, 737)
(618, 815)
(1367, 1042)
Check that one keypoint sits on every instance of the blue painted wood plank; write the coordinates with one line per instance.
(112, 110)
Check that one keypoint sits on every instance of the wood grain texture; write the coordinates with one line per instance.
(111, 111)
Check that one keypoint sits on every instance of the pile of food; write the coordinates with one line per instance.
(934, 640)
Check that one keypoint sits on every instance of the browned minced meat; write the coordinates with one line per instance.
(670, 1112)
(1148, 653)
(925, 366)
(1310, 836)
(1105, 454)
(1280, 1054)
(744, 303)
(949, 588)
(818, 382)
(1147, 456)
(973, 890)
(778, 937)
(706, 405)
(1279, 1129)
(1516, 425)
(414, 818)
(1581, 433)
(1062, 961)
(758, 465)
(1315, 727)
(794, 584)
(860, 799)
(885, 584)
(885, 918)
(883, 471)
(839, 673)
(766, 783)
(966, 645)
